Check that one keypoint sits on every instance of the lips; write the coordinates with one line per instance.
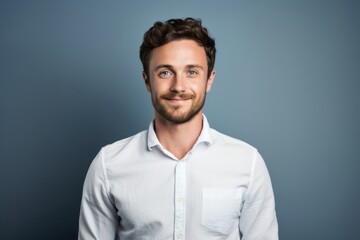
(177, 99)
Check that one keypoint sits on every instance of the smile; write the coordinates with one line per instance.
(177, 100)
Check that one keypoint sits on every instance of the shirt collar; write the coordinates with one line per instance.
(152, 139)
(205, 135)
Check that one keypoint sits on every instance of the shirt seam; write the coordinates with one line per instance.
(106, 178)
(252, 173)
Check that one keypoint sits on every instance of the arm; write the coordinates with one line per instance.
(258, 217)
(98, 218)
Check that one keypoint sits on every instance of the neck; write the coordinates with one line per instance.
(178, 138)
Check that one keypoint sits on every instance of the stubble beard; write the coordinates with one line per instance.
(175, 114)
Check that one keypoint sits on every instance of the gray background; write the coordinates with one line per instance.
(287, 83)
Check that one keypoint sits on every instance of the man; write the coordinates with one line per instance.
(180, 179)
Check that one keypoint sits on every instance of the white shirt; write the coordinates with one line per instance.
(135, 189)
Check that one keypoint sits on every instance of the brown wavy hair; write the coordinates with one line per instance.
(162, 33)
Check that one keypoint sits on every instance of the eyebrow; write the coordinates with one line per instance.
(194, 66)
(172, 68)
(164, 66)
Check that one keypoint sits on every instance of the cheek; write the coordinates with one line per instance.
(155, 90)
(158, 87)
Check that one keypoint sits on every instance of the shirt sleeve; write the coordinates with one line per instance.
(258, 217)
(98, 218)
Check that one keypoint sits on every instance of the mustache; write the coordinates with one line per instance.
(172, 95)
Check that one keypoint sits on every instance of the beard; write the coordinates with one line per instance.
(178, 114)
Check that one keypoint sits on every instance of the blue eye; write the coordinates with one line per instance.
(165, 74)
(192, 72)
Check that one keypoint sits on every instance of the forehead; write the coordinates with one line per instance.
(178, 53)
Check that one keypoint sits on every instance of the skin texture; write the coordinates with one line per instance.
(178, 84)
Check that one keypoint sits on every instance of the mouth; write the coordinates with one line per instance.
(177, 100)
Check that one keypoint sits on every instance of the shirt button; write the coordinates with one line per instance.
(179, 236)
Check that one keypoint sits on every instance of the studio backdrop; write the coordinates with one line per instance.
(287, 83)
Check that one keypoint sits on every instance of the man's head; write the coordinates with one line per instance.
(178, 58)
(162, 33)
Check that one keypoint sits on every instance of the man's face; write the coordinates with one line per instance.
(178, 80)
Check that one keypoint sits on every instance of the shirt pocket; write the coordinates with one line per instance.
(221, 208)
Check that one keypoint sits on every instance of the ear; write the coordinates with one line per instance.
(147, 81)
(210, 80)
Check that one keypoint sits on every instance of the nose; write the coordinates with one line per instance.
(178, 84)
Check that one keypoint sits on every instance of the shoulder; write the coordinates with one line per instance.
(235, 146)
(221, 138)
(114, 156)
(134, 143)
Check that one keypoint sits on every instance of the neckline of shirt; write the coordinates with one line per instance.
(205, 135)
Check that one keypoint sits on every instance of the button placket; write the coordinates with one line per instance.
(180, 190)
